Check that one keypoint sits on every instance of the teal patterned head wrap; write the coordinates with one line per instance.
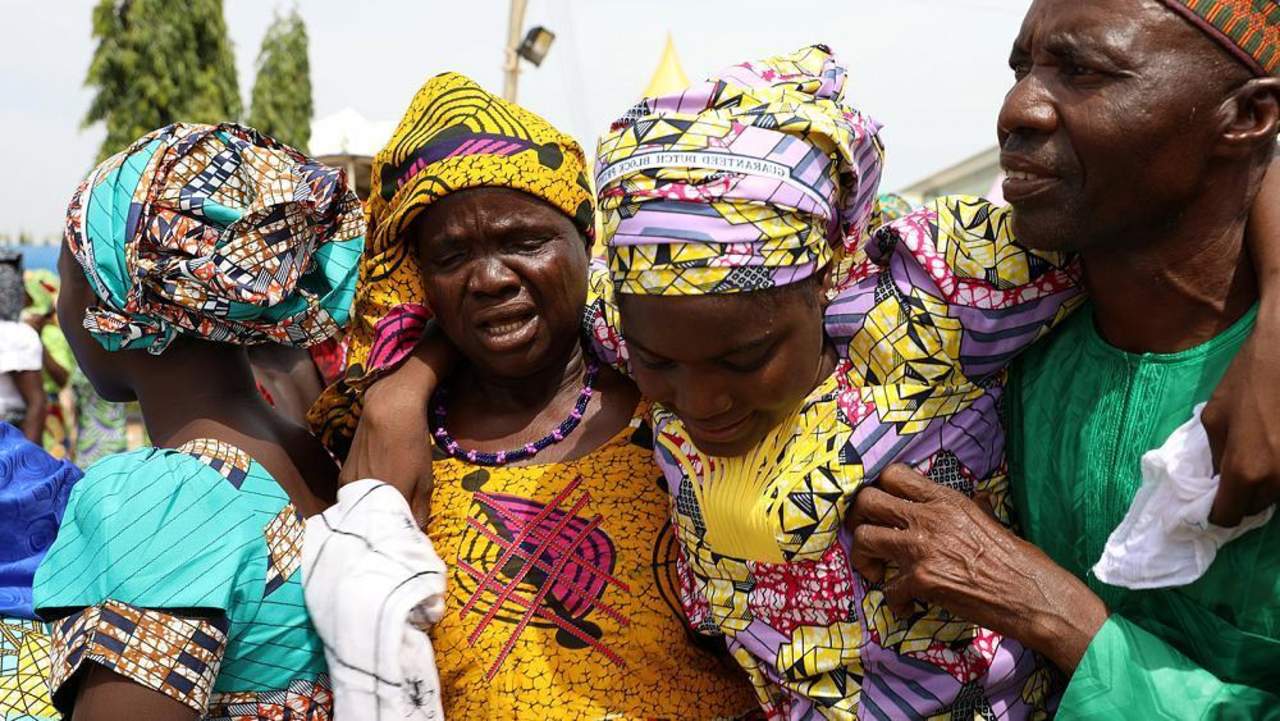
(217, 232)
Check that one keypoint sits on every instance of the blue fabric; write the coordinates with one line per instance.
(34, 488)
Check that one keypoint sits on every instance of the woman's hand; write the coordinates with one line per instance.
(392, 442)
(1241, 419)
(950, 551)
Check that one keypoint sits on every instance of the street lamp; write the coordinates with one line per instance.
(533, 47)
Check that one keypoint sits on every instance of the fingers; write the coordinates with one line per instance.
(905, 482)
(874, 506)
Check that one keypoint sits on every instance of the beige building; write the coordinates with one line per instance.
(976, 175)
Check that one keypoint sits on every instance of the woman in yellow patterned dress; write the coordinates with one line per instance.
(562, 600)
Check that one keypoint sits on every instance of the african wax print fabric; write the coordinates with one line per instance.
(200, 527)
(563, 596)
(34, 488)
(11, 286)
(1081, 414)
(24, 671)
(924, 323)
(217, 232)
(1250, 29)
(454, 136)
(749, 180)
(889, 207)
(101, 426)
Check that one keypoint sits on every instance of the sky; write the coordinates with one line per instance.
(933, 72)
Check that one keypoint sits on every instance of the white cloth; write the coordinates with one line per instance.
(20, 350)
(1165, 539)
(373, 586)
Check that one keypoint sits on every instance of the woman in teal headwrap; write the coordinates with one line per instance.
(174, 585)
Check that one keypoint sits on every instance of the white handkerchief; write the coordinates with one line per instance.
(373, 586)
(1165, 539)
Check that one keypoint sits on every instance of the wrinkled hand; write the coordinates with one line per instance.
(1244, 427)
(950, 551)
(392, 442)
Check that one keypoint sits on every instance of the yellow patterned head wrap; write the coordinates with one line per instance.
(455, 136)
(750, 180)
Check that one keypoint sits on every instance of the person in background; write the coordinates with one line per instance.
(100, 426)
(58, 363)
(174, 588)
(23, 401)
(34, 488)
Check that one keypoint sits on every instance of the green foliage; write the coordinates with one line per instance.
(159, 62)
(282, 90)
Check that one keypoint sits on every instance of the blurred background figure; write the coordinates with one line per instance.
(22, 399)
(56, 360)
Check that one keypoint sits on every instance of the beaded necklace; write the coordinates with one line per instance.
(484, 458)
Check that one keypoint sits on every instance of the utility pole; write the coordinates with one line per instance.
(515, 33)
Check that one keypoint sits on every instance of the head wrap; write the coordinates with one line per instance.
(1249, 29)
(42, 286)
(11, 290)
(217, 232)
(747, 181)
(455, 136)
(889, 207)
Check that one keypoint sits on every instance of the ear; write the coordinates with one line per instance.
(826, 284)
(1252, 117)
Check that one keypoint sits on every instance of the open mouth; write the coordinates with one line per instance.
(509, 331)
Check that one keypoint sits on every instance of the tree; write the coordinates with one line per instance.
(159, 62)
(282, 90)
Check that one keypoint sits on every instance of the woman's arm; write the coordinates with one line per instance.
(1241, 418)
(31, 388)
(392, 442)
(107, 696)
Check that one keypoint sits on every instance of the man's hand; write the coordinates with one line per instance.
(1244, 429)
(392, 442)
(1241, 420)
(949, 551)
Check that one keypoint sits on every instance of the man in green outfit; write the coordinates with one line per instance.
(1137, 134)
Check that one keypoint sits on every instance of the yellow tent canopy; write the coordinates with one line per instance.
(669, 77)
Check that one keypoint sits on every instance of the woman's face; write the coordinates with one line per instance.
(103, 368)
(506, 277)
(732, 367)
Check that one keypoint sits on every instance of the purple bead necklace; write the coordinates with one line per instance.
(483, 458)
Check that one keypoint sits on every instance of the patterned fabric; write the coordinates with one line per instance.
(924, 322)
(889, 207)
(203, 527)
(11, 287)
(175, 655)
(101, 426)
(217, 232)
(1250, 29)
(25, 668)
(746, 181)
(34, 488)
(454, 136)
(563, 598)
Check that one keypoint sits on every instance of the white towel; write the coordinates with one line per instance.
(1166, 540)
(373, 586)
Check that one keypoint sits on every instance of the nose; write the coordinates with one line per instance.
(1028, 109)
(491, 277)
(701, 396)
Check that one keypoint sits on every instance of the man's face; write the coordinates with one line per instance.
(1108, 130)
